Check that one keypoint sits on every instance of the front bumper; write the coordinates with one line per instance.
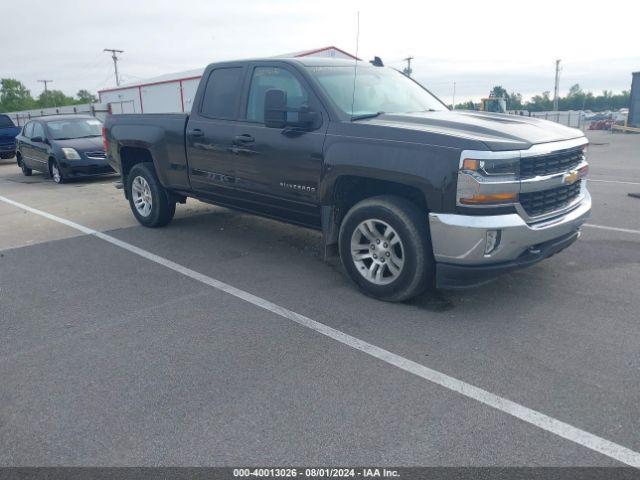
(7, 148)
(459, 243)
(85, 168)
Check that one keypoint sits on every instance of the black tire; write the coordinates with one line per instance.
(60, 178)
(417, 273)
(163, 208)
(26, 171)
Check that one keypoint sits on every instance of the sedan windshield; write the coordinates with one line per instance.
(377, 90)
(74, 128)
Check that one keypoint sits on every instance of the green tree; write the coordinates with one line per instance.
(54, 98)
(514, 101)
(540, 103)
(14, 96)
(498, 91)
(84, 96)
(467, 106)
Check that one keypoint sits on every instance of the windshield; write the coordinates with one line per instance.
(378, 89)
(5, 121)
(74, 128)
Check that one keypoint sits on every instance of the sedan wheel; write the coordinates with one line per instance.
(55, 173)
(141, 194)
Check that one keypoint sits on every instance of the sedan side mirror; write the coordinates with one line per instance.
(37, 140)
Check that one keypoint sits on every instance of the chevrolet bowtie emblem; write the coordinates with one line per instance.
(571, 177)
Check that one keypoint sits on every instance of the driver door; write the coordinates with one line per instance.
(279, 168)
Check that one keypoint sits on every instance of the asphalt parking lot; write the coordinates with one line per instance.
(110, 358)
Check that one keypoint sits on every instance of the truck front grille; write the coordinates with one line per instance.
(549, 164)
(545, 201)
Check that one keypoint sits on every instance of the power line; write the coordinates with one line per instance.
(45, 85)
(114, 56)
(46, 92)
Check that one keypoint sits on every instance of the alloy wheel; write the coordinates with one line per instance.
(141, 193)
(377, 251)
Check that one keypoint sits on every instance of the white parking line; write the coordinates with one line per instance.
(533, 417)
(612, 181)
(613, 229)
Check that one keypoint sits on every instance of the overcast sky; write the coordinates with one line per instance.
(477, 44)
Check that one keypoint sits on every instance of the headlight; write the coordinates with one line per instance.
(493, 167)
(490, 179)
(71, 154)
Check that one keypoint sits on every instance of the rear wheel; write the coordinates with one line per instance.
(150, 203)
(386, 248)
(26, 171)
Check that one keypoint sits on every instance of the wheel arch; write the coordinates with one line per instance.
(349, 189)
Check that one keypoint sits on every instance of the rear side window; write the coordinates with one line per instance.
(5, 121)
(28, 130)
(222, 93)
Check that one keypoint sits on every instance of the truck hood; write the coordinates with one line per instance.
(497, 131)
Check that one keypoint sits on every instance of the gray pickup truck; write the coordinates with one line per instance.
(410, 194)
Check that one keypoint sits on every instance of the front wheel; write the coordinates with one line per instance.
(55, 171)
(149, 201)
(386, 248)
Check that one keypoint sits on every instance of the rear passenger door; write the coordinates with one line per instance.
(24, 144)
(39, 150)
(211, 129)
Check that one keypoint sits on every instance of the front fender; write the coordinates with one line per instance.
(430, 169)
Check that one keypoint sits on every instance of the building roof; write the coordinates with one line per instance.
(197, 73)
(314, 51)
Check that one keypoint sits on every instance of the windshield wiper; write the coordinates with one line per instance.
(366, 115)
(92, 135)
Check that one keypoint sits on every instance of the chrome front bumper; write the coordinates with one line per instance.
(461, 240)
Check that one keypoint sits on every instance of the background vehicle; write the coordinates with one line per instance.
(410, 198)
(8, 132)
(64, 147)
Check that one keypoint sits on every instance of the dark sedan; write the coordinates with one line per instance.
(64, 147)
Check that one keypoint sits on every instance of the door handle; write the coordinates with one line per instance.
(244, 138)
(196, 132)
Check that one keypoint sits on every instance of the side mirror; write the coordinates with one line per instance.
(37, 140)
(278, 115)
(275, 108)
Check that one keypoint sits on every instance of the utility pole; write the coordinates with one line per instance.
(114, 56)
(407, 71)
(557, 86)
(46, 91)
(453, 105)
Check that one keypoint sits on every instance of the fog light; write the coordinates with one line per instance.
(492, 241)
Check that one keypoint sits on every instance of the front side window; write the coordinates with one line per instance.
(377, 89)
(74, 128)
(38, 131)
(222, 93)
(28, 130)
(266, 78)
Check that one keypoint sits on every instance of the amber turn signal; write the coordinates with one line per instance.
(470, 164)
(490, 199)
